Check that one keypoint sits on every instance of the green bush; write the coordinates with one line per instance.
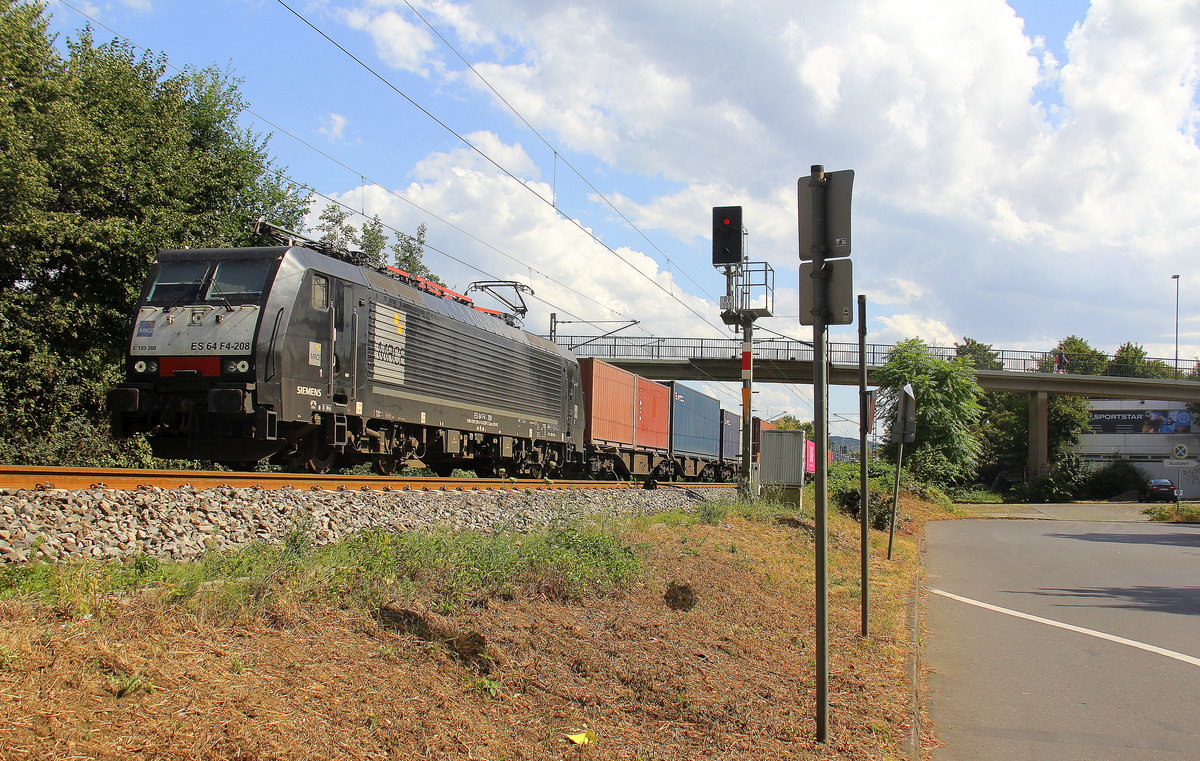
(1064, 482)
(974, 495)
(1115, 479)
(879, 506)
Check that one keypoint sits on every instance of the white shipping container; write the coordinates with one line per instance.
(781, 458)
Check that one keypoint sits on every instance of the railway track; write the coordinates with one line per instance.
(31, 477)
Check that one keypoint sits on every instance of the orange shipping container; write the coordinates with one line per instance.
(609, 395)
(653, 415)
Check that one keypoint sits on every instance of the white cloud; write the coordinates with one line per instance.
(1000, 193)
(898, 327)
(570, 273)
(334, 126)
(400, 43)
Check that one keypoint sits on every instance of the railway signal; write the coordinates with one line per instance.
(727, 235)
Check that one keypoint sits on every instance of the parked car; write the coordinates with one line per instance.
(1158, 489)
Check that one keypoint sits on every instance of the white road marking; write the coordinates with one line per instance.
(1059, 624)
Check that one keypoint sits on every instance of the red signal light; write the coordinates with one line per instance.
(727, 221)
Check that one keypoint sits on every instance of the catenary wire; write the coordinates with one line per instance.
(557, 154)
(493, 162)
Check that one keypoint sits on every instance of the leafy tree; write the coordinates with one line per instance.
(979, 354)
(104, 160)
(1082, 359)
(336, 229)
(372, 239)
(793, 423)
(409, 253)
(1005, 426)
(947, 445)
(1131, 361)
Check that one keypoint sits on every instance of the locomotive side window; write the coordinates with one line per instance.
(178, 282)
(233, 277)
(320, 292)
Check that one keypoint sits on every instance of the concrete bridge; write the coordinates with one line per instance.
(791, 361)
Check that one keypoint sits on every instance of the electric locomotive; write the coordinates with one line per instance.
(312, 360)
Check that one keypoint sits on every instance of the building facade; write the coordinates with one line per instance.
(1147, 434)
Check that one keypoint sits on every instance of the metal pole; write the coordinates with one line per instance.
(816, 181)
(746, 483)
(895, 494)
(1176, 279)
(864, 530)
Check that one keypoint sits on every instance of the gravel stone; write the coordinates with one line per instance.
(182, 523)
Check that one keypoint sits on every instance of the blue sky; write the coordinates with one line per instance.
(1024, 171)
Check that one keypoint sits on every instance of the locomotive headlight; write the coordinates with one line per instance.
(231, 366)
(243, 366)
(153, 367)
(139, 366)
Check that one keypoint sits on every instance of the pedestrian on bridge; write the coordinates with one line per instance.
(1060, 362)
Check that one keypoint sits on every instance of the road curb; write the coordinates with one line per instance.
(913, 743)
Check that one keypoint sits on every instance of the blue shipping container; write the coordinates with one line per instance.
(731, 435)
(695, 422)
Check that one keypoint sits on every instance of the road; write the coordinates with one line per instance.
(1010, 683)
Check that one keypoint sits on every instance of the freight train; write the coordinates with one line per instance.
(308, 357)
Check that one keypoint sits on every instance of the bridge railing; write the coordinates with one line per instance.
(628, 347)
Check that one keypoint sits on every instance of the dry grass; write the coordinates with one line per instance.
(731, 678)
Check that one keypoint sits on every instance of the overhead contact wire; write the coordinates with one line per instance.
(493, 162)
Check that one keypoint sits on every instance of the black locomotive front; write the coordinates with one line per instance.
(243, 354)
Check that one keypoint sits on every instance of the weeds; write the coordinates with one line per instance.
(8, 659)
(1187, 513)
(124, 684)
(711, 513)
(443, 568)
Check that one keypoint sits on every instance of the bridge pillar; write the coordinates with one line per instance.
(1039, 434)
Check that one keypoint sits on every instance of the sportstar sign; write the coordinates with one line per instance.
(1140, 421)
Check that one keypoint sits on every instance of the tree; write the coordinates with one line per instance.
(1082, 359)
(1130, 361)
(104, 160)
(336, 229)
(793, 423)
(980, 355)
(372, 238)
(1004, 417)
(947, 445)
(1005, 427)
(409, 253)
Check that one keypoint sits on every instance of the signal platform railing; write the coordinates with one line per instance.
(628, 347)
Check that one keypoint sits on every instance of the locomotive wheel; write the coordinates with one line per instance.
(384, 464)
(321, 458)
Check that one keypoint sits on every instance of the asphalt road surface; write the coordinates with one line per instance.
(1090, 648)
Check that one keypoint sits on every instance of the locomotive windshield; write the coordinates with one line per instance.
(224, 281)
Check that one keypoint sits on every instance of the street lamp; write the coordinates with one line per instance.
(1176, 279)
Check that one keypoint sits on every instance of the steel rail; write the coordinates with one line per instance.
(36, 477)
